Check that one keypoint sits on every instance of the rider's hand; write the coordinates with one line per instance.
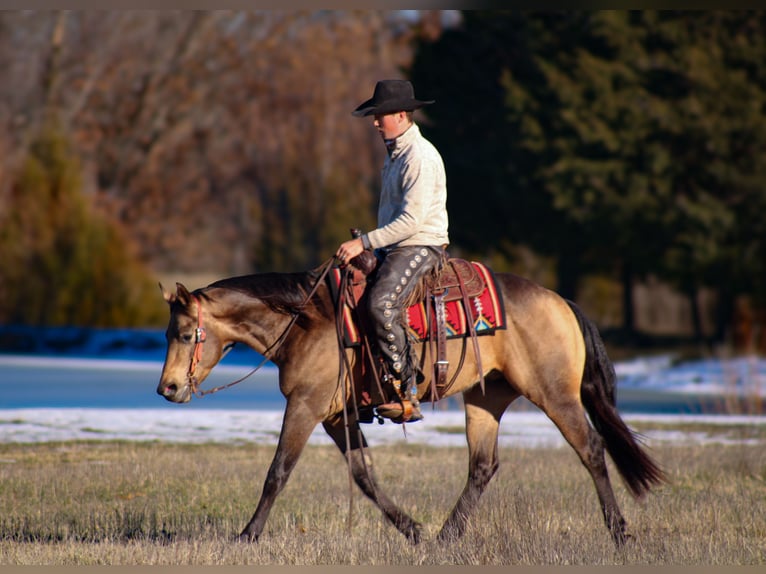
(349, 249)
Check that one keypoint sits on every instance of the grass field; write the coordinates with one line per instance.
(127, 503)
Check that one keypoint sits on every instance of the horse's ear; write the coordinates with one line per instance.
(167, 295)
(183, 295)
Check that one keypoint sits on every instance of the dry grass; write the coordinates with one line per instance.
(151, 503)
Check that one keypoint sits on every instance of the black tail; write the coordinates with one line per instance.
(597, 392)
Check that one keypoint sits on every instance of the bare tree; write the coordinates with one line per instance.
(222, 141)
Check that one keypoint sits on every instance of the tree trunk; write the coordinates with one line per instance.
(567, 275)
(51, 73)
(724, 316)
(692, 293)
(628, 308)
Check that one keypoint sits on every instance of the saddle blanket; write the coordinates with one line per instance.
(487, 312)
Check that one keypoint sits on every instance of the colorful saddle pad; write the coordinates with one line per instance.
(487, 312)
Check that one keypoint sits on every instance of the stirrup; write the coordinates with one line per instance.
(400, 412)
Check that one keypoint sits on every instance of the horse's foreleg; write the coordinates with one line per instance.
(360, 462)
(482, 416)
(297, 426)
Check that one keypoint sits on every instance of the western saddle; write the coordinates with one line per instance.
(457, 280)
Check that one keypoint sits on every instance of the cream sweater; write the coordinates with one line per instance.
(413, 197)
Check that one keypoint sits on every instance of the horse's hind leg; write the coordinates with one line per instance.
(360, 462)
(482, 420)
(567, 412)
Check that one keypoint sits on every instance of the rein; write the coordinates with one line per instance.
(200, 337)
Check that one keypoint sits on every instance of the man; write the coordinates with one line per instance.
(411, 235)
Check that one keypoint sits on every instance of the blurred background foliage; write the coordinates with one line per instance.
(615, 156)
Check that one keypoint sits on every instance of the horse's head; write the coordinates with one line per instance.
(194, 348)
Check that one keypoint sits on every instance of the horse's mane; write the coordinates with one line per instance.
(282, 292)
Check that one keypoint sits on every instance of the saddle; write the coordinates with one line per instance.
(458, 280)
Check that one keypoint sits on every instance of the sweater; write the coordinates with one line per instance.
(413, 197)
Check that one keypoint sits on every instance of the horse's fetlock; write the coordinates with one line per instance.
(415, 533)
(449, 533)
(247, 538)
(622, 538)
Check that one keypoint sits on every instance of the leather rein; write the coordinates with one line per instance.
(200, 336)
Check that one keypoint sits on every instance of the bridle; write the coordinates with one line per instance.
(200, 336)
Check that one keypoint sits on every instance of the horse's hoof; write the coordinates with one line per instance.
(622, 539)
(247, 538)
(448, 535)
(415, 534)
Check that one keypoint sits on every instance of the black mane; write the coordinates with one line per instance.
(283, 292)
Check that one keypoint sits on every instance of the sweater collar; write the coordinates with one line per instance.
(403, 141)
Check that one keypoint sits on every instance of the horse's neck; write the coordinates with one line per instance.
(248, 320)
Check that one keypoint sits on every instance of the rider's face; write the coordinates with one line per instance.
(391, 126)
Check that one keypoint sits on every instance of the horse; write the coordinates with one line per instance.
(549, 352)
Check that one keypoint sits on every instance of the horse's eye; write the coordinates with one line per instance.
(186, 338)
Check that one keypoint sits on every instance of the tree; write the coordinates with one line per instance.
(221, 141)
(213, 142)
(612, 140)
(496, 124)
(717, 136)
(60, 263)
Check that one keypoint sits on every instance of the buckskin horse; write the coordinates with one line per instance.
(549, 353)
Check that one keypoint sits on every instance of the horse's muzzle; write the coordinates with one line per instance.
(173, 393)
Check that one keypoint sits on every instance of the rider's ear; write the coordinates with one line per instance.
(183, 295)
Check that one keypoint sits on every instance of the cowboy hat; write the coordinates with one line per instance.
(390, 96)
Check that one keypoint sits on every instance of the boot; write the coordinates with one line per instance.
(403, 411)
(413, 388)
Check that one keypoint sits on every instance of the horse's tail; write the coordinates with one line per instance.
(597, 392)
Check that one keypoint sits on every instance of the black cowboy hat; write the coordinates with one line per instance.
(391, 96)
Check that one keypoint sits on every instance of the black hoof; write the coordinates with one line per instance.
(247, 538)
(415, 533)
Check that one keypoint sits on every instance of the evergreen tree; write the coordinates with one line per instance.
(614, 140)
(60, 264)
(709, 65)
(509, 125)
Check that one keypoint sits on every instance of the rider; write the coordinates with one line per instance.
(411, 235)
